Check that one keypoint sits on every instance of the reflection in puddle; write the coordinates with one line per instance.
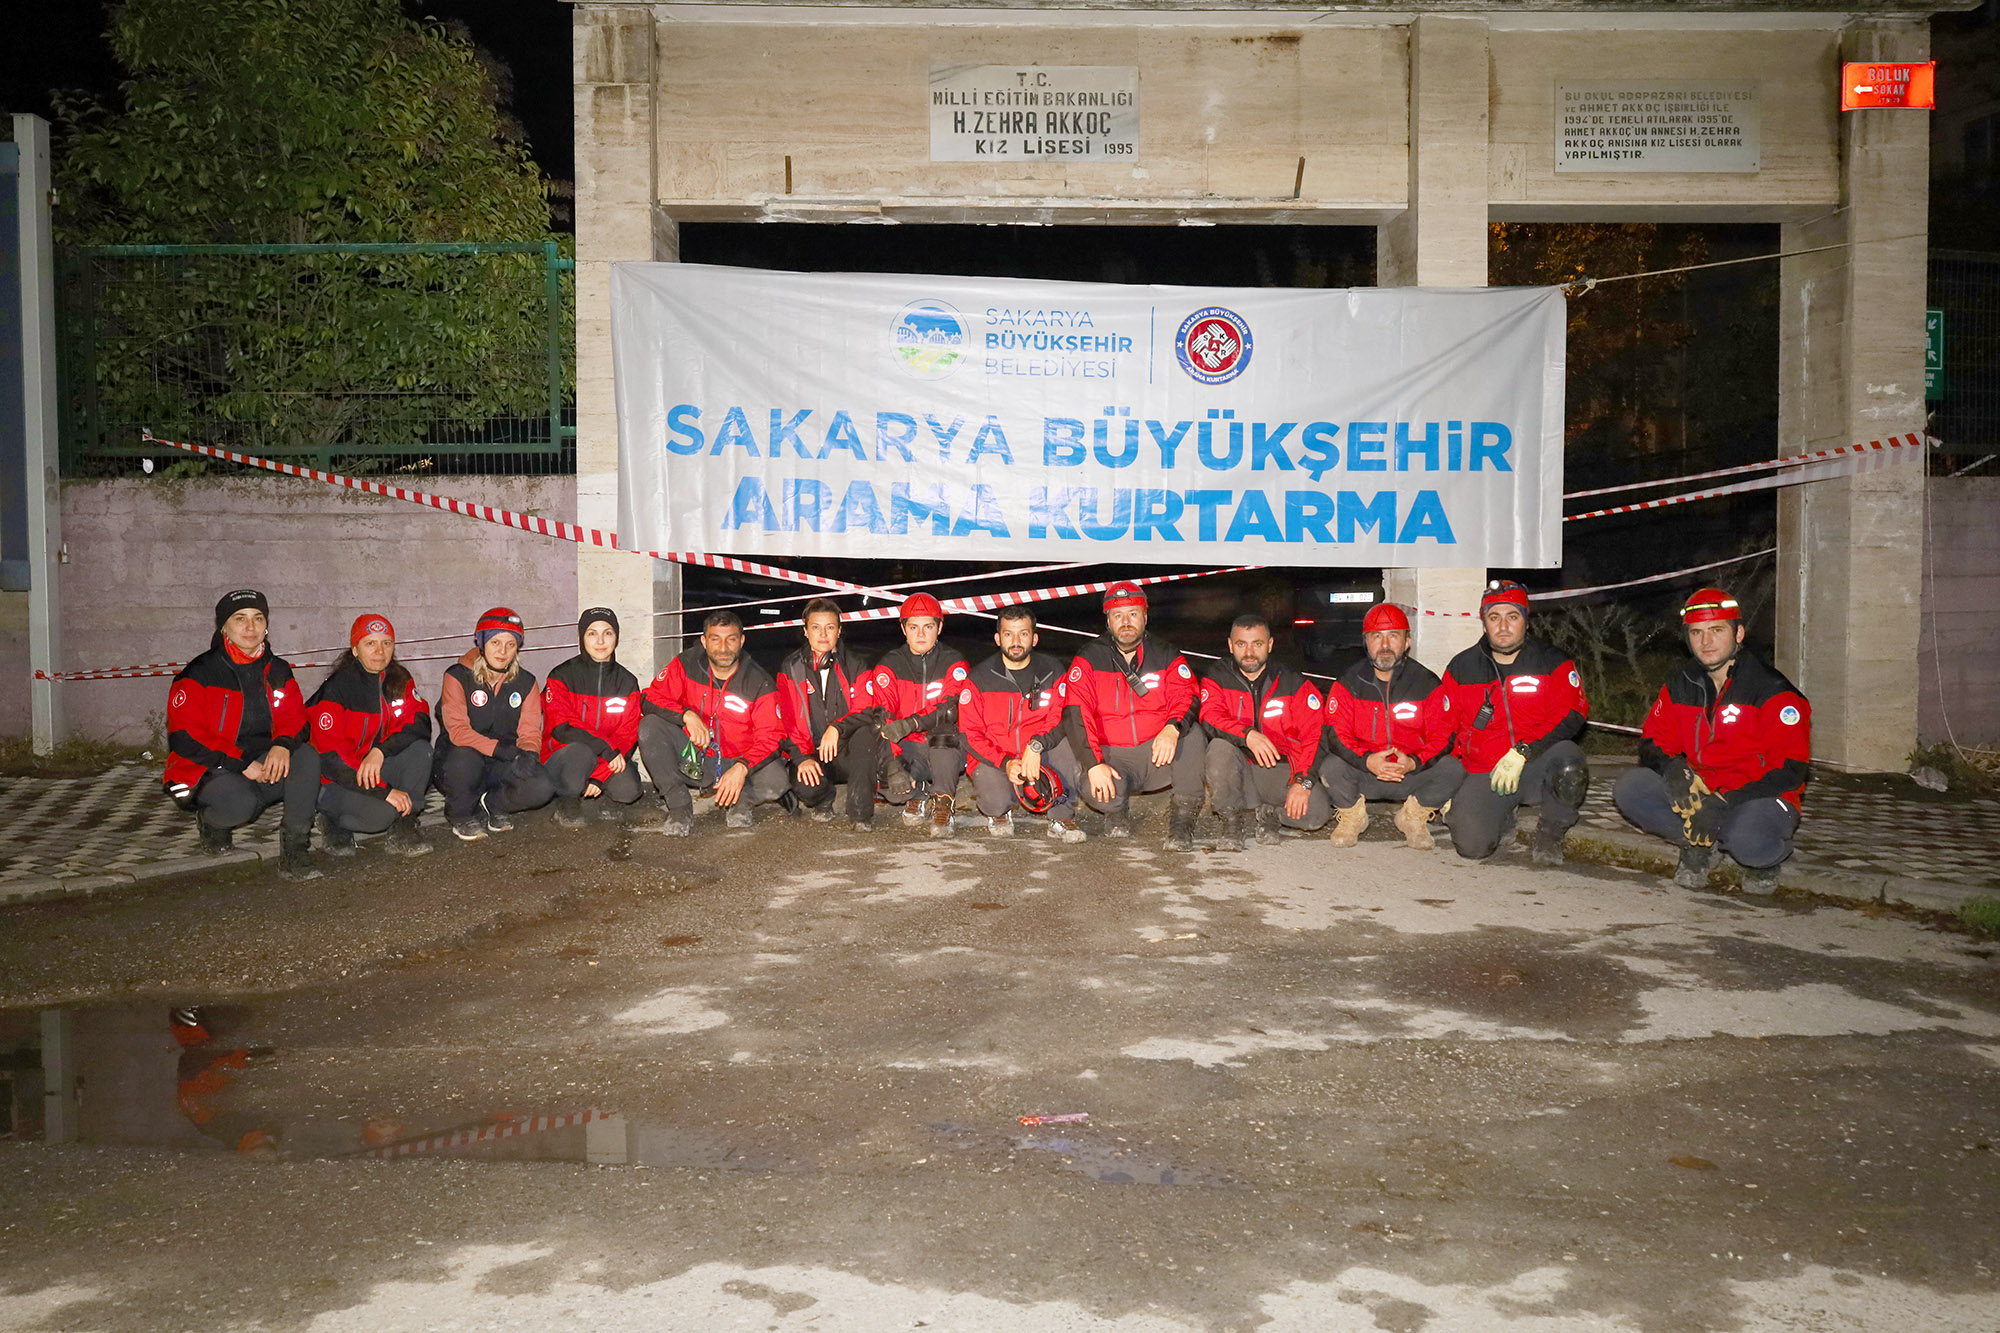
(153, 1076)
(1093, 1157)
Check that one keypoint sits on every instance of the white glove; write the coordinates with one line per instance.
(1507, 773)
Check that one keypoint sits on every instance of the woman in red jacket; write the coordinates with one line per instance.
(590, 722)
(373, 733)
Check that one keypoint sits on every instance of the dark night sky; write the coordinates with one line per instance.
(57, 44)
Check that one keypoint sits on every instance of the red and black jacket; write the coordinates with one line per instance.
(1011, 708)
(1410, 712)
(1281, 703)
(741, 712)
(225, 715)
(1537, 701)
(904, 685)
(1108, 701)
(809, 706)
(1751, 738)
(355, 711)
(594, 704)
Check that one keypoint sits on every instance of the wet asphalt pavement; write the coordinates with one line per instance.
(774, 1080)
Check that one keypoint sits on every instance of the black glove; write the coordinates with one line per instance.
(899, 728)
(1706, 821)
(506, 752)
(524, 766)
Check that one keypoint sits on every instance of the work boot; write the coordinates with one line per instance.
(940, 815)
(1760, 879)
(739, 816)
(1064, 830)
(897, 784)
(1414, 819)
(660, 818)
(1118, 823)
(916, 810)
(1267, 826)
(1180, 824)
(1692, 872)
(1235, 829)
(214, 841)
(406, 839)
(822, 814)
(295, 856)
(336, 840)
(1546, 848)
(569, 812)
(1001, 826)
(496, 820)
(1349, 824)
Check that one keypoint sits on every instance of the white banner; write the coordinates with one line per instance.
(962, 418)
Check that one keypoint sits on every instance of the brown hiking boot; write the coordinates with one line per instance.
(941, 808)
(1415, 822)
(1348, 828)
(913, 810)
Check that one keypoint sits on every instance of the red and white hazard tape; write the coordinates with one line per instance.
(491, 1134)
(1790, 460)
(1838, 463)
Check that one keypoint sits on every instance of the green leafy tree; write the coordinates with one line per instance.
(303, 122)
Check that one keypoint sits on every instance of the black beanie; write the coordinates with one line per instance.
(240, 600)
(591, 617)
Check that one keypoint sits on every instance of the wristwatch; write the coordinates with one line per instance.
(1304, 781)
(1035, 745)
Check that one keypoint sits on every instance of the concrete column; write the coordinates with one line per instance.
(614, 67)
(1851, 369)
(41, 456)
(1439, 240)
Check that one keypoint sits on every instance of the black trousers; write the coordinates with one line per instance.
(229, 800)
(569, 767)
(936, 763)
(858, 764)
(1756, 833)
(357, 811)
(1432, 785)
(660, 743)
(1238, 782)
(464, 775)
(1480, 817)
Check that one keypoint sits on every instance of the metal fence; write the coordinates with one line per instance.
(431, 358)
(1965, 285)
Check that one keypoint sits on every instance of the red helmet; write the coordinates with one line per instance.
(1504, 590)
(1385, 615)
(1710, 604)
(921, 604)
(1040, 796)
(1124, 594)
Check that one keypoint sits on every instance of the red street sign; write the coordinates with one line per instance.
(1870, 85)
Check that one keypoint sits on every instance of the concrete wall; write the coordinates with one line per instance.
(1958, 656)
(149, 558)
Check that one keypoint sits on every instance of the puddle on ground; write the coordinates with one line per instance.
(184, 1077)
(1102, 1157)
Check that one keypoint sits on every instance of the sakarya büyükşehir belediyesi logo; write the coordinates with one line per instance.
(1213, 344)
(930, 339)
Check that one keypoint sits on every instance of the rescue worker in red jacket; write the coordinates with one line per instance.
(491, 713)
(590, 722)
(373, 733)
(1729, 740)
(710, 720)
(1264, 723)
(1013, 729)
(1129, 710)
(921, 689)
(830, 733)
(1388, 735)
(1519, 706)
(236, 737)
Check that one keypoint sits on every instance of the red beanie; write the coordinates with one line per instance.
(921, 604)
(1504, 591)
(1385, 615)
(1710, 604)
(368, 623)
(1124, 594)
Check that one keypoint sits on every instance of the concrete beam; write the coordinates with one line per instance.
(41, 455)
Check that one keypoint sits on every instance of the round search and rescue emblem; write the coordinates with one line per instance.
(514, 699)
(1789, 715)
(1213, 345)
